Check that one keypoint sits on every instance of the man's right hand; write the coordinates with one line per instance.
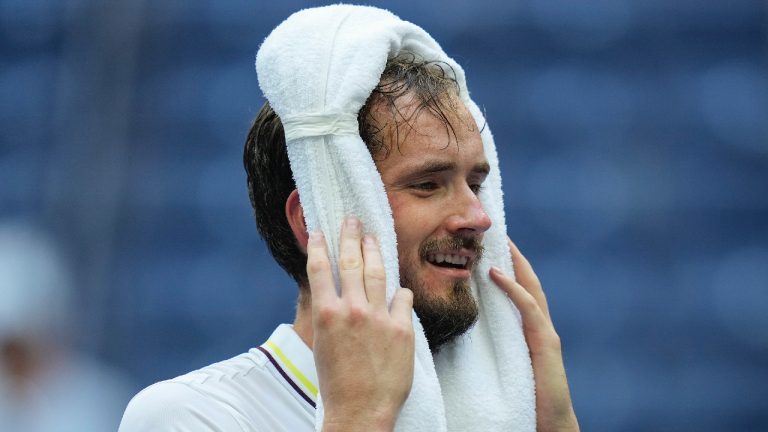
(363, 350)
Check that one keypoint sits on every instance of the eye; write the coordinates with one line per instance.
(425, 186)
(476, 188)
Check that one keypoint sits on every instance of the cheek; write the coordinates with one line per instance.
(400, 215)
(412, 222)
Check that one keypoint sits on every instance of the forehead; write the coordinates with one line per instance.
(412, 133)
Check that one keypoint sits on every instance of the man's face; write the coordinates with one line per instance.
(432, 179)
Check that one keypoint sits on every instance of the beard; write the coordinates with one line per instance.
(443, 318)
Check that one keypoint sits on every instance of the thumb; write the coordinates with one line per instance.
(402, 305)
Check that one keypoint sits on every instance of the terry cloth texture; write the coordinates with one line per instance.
(317, 69)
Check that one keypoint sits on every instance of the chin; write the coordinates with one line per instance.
(445, 307)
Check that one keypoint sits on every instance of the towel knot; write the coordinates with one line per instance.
(319, 124)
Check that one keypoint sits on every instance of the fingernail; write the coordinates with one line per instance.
(369, 241)
(315, 236)
(352, 222)
(496, 270)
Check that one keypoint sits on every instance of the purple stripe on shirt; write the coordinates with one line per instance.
(287, 378)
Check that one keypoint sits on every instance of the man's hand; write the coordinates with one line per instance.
(554, 409)
(363, 350)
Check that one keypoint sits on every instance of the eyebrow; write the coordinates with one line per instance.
(482, 168)
(432, 167)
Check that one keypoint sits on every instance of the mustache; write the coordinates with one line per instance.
(433, 246)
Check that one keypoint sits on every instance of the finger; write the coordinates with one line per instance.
(319, 270)
(351, 261)
(374, 275)
(401, 308)
(527, 277)
(534, 319)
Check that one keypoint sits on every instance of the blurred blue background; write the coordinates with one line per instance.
(634, 146)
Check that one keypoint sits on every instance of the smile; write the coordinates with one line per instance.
(448, 260)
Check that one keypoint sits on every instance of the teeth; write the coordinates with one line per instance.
(449, 258)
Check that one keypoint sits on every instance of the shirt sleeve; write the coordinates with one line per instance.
(176, 407)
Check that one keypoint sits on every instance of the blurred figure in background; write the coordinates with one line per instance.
(45, 385)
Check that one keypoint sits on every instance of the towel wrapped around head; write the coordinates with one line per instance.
(317, 69)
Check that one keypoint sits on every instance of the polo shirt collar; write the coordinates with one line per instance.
(294, 360)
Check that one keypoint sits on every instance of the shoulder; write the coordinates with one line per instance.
(173, 406)
(203, 400)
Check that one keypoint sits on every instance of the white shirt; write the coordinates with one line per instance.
(270, 388)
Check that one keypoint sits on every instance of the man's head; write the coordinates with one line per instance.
(428, 151)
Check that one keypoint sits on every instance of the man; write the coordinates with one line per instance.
(429, 153)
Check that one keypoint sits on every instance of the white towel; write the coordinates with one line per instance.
(317, 69)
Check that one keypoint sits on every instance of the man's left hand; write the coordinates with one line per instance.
(554, 409)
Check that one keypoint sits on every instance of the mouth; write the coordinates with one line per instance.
(452, 257)
(450, 260)
(453, 264)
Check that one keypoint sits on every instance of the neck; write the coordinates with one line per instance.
(302, 324)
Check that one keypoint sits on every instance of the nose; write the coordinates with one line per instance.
(468, 216)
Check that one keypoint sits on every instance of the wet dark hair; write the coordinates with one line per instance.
(433, 87)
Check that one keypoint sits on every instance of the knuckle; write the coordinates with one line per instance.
(536, 284)
(527, 303)
(554, 342)
(317, 266)
(375, 274)
(548, 340)
(357, 314)
(404, 332)
(325, 315)
(380, 320)
(350, 232)
(405, 295)
(349, 263)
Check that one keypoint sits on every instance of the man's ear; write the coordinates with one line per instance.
(294, 212)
